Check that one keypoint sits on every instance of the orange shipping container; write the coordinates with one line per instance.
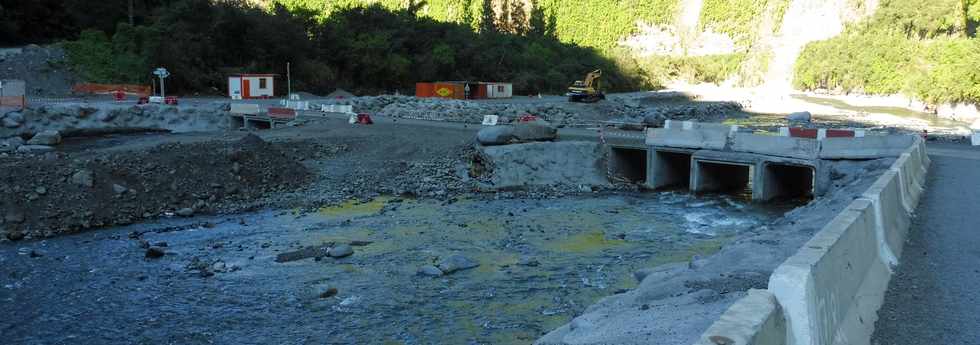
(450, 90)
(425, 90)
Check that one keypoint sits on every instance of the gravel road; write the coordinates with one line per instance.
(933, 297)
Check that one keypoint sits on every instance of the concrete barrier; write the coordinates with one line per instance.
(692, 139)
(866, 147)
(755, 319)
(829, 292)
(776, 146)
(832, 288)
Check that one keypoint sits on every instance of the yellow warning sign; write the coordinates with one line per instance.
(444, 92)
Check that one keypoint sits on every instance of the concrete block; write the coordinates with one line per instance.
(866, 147)
(755, 319)
(245, 108)
(691, 139)
(831, 289)
(776, 146)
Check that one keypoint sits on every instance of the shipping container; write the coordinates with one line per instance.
(425, 90)
(450, 90)
(500, 90)
(478, 91)
(247, 86)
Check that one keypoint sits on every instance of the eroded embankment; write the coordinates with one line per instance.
(67, 192)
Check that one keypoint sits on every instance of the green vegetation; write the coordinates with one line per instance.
(708, 69)
(740, 18)
(368, 49)
(923, 49)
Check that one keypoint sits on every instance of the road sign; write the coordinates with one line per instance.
(162, 73)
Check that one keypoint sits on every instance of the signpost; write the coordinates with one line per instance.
(163, 74)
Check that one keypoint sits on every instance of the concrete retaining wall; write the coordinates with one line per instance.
(546, 163)
(829, 292)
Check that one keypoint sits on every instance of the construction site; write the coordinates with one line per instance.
(480, 210)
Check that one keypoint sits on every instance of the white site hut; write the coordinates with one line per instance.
(246, 86)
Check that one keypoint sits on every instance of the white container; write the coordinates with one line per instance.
(976, 133)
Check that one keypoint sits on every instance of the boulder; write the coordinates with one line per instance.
(119, 189)
(11, 144)
(341, 250)
(456, 262)
(803, 116)
(13, 120)
(35, 149)
(83, 178)
(155, 253)
(518, 133)
(185, 212)
(15, 235)
(430, 271)
(48, 137)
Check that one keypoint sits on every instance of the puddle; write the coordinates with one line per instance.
(541, 263)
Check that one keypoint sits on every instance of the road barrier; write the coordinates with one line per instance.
(829, 292)
(333, 108)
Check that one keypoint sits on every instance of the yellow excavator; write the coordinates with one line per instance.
(586, 91)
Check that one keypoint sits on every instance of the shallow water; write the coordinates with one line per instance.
(98, 288)
(931, 119)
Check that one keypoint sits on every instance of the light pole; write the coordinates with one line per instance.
(289, 83)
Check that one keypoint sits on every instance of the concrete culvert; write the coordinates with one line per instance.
(669, 169)
(627, 165)
(785, 181)
(721, 177)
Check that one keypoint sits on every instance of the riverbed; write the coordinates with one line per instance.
(541, 262)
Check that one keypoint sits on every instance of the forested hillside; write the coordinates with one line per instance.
(925, 49)
(368, 48)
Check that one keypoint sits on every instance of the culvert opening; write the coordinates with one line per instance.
(671, 170)
(628, 165)
(723, 177)
(788, 182)
(253, 124)
(236, 122)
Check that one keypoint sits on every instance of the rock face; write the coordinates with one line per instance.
(456, 262)
(519, 133)
(49, 138)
